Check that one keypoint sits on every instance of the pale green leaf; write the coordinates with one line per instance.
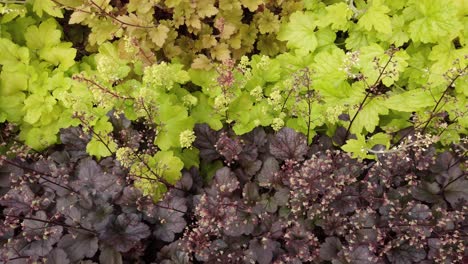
(48, 6)
(376, 17)
(299, 32)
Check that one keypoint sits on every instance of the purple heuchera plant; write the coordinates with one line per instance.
(274, 199)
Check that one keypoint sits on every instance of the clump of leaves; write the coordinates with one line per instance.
(62, 206)
(282, 201)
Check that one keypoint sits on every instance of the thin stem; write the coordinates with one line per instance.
(53, 223)
(369, 92)
(12, 2)
(158, 177)
(102, 11)
(433, 112)
(42, 175)
(101, 88)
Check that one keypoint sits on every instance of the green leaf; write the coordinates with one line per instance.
(101, 149)
(35, 106)
(12, 54)
(174, 120)
(338, 16)
(368, 117)
(299, 32)
(168, 166)
(410, 101)
(46, 35)
(48, 6)
(62, 55)
(376, 17)
(39, 137)
(433, 20)
(203, 112)
(357, 148)
(190, 157)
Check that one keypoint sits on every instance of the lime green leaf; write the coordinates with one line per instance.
(13, 80)
(101, 149)
(203, 113)
(62, 55)
(379, 139)
(299, 32)
(410, 101)
(268, 22)
(48, 6)
(168, 166)
(357, 148)
(368, 117)
(39, 137)
(12, 106)
(376, 17)
(252, 5)
(174, 120)
(12, 54)
(35, 106)
(399, 35)
(338, 16)
(433, 20)
(46, 35)
(359, 38)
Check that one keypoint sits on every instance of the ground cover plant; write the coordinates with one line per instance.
(233, 131)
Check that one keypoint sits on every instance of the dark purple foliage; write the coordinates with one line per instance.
(276, 200)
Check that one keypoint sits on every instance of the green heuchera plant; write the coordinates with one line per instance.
(196, 32)
(365, 73)
(36, 66)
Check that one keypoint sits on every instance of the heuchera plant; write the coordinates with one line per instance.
(64, 207)
(276, 199)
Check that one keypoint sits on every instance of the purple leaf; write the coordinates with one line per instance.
(288, 144)
(427, 192)
(419, 212)
(36, 230)
(267, 174)
(109, 255)
(329, 250)
(171, 221)
(262, 250)
(127, 229)
(362, 255)
(57, 256)
(225, 181)
(18, 200)
(406, 254)
(79, 246)
(457, 192)
(205, 141)
(229, 148)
